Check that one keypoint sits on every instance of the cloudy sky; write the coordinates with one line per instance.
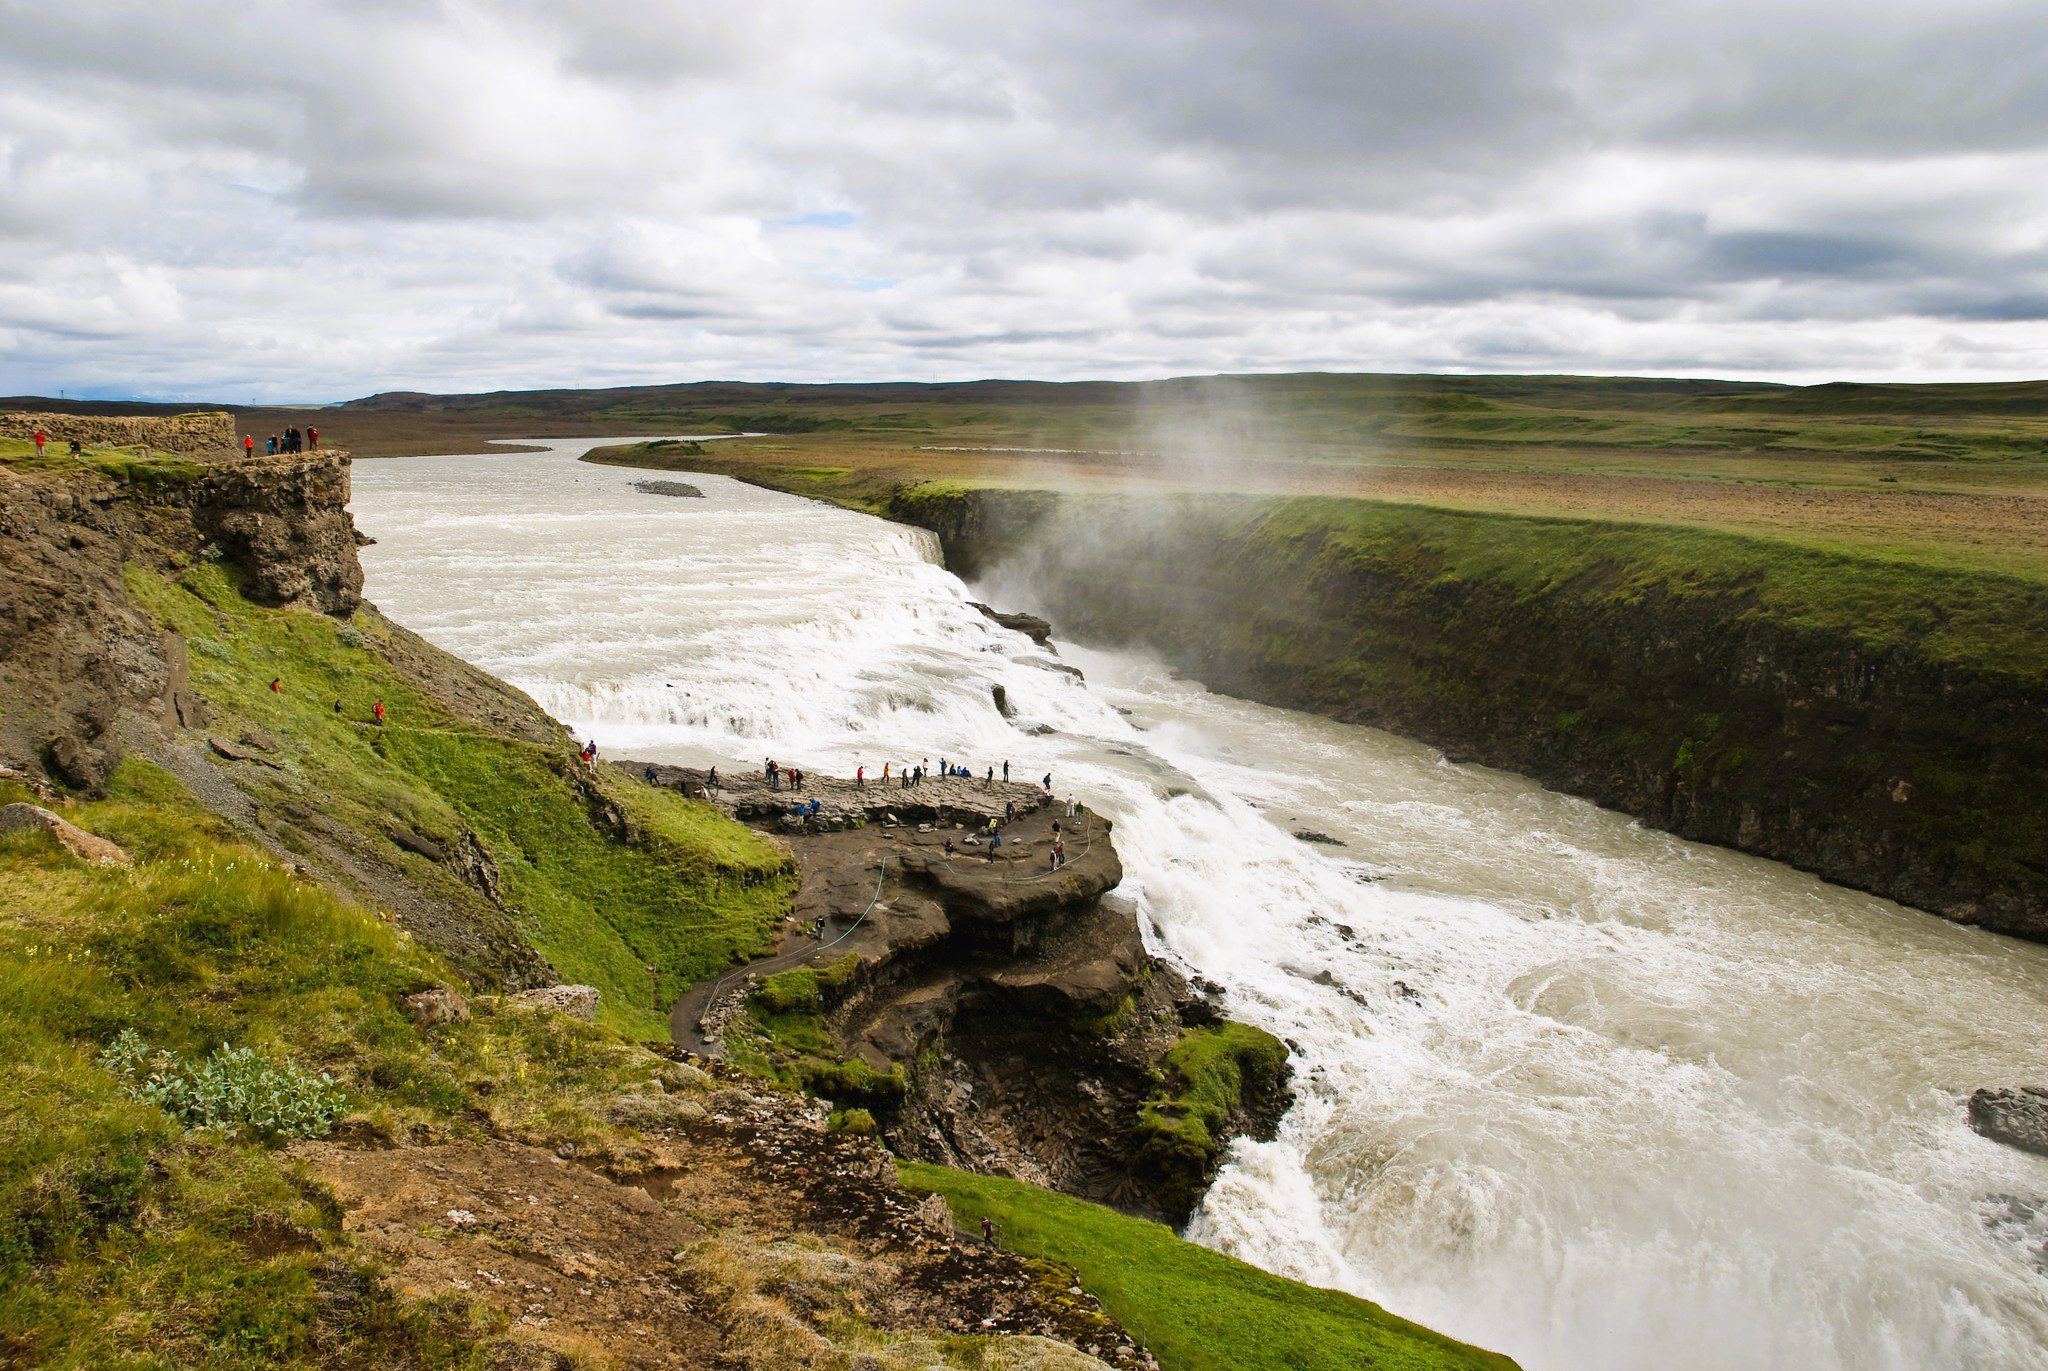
(323, 198)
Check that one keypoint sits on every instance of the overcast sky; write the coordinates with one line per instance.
(323, 198)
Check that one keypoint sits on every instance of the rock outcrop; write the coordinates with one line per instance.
(2017, 1118)
(91, 673)
(87, 847)
(202, 434)
(1001, 1014)
(576, 1001)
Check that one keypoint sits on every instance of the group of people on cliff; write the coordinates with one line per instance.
(291, 440)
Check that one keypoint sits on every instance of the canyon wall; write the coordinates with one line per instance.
(1890, 747)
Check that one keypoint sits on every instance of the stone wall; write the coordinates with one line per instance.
(208, 434)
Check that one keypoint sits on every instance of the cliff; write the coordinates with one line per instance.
(1877, 724)
(92, 675)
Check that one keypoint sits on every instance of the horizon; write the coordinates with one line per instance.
(290, 404)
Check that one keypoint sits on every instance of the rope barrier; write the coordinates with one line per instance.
(797, 954)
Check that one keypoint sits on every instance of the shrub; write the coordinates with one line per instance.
(858, 1122)
(351, 636)
(234, 1088)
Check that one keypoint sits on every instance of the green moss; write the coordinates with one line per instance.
(1197, 1310)
(1209, 1075)
(806, 989)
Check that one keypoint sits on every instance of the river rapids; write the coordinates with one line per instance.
(1577, 1091)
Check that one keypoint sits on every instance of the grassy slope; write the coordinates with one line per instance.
(1976, 619)
(1196, 1309)
(695, 894)
(127, 1241)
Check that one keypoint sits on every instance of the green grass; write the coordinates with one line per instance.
(1963, 618)
(127, 1240)
(129, 465)
(1197, 1310)
(687, 894)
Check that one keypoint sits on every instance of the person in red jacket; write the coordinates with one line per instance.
(248, 446)
(378, 710)
(312, 439)
(41, 438)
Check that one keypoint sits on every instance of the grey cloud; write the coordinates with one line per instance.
(511, 191)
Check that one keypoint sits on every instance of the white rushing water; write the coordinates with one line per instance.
(1580, 1092)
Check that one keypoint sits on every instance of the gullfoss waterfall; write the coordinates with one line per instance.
(1568, 1088)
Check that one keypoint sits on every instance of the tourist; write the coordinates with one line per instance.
(270, 446)
(989, 783)
(711, 780)
(1006, 771)
(650, 773)
(949, 844)
(277, 685)
(248, 445)
(860, 778)
(41, 438)
(378, 710)
(77, 450)
(885, 773)
(995, 839)
(1072, 808)
(337, 709)
(1009, 811)
(988, 1231)
(312, 439)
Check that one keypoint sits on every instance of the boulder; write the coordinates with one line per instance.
(437, 1006)
(74, 763)
(932, 1213)
(418, 844)
(2017, 1118)
(577, 1001)
(260, 738)
(656, 1111)
(235, 752)
(680, 1078)
(89, 847)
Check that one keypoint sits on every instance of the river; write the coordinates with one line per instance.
(1574, 1090)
